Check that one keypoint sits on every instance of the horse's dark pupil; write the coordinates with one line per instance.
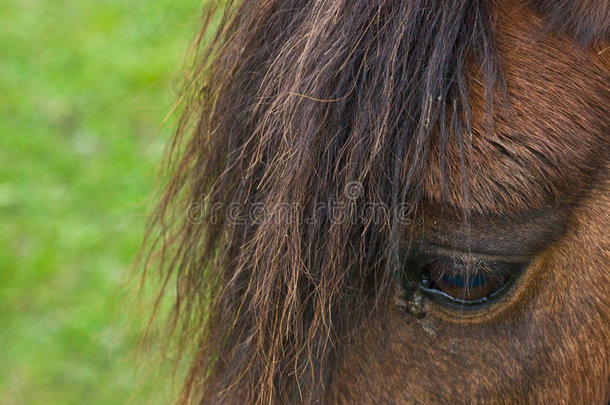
(465, 282)
(470, 287)
(470, 282)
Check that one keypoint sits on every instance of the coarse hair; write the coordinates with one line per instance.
(293, 102)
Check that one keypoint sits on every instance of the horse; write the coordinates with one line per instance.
(406, 201)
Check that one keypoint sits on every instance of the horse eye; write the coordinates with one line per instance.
(466, 281)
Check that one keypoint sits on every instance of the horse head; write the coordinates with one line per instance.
(382, 201)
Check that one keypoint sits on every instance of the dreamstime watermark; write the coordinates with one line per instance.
(349, 209)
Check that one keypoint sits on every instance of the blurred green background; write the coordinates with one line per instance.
(84, 89)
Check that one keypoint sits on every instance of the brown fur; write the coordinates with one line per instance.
(586, 21)
(489, 119)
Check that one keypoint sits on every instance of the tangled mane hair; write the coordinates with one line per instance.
(290, 102)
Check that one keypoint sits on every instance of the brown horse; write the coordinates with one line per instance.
(393, 201)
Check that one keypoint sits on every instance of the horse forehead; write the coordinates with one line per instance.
(550, 139)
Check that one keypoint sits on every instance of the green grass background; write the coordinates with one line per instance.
(84, 88)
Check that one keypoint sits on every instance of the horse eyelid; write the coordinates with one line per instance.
(436, 250)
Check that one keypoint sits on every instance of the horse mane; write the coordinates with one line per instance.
(291, 103)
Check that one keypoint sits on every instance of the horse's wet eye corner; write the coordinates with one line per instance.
(412, 302)
(462, 281)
